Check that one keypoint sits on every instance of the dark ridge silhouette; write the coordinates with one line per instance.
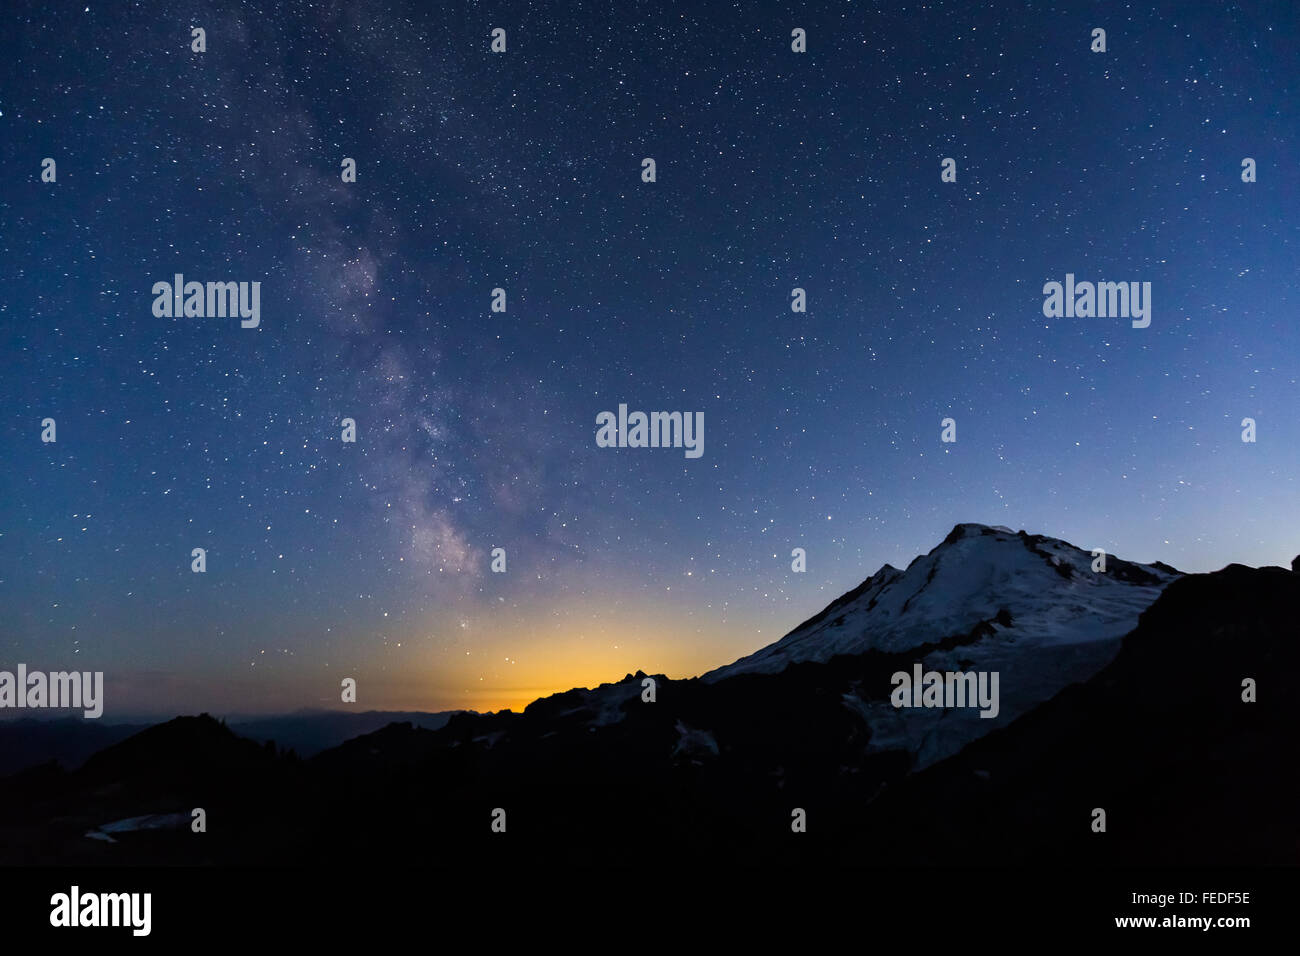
(68, 741)
(186, 747)
(1161, 739)
(307, 733)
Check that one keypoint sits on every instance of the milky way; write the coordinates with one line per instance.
(476, 429)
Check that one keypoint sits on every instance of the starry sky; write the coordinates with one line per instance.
(476, 430)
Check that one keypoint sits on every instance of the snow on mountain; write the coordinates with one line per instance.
(986, 599)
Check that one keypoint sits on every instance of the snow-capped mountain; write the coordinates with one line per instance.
(1045, 585)
(986, 599)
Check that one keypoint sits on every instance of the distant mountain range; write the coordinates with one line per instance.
(71, 740)
(1121, 690)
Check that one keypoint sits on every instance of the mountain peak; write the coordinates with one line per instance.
(1037, 611)
(972, 529)
(1048, 586)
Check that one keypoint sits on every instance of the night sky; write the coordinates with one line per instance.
(476, 429)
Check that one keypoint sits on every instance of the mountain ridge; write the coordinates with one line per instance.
(979, 564)
(713, 769)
